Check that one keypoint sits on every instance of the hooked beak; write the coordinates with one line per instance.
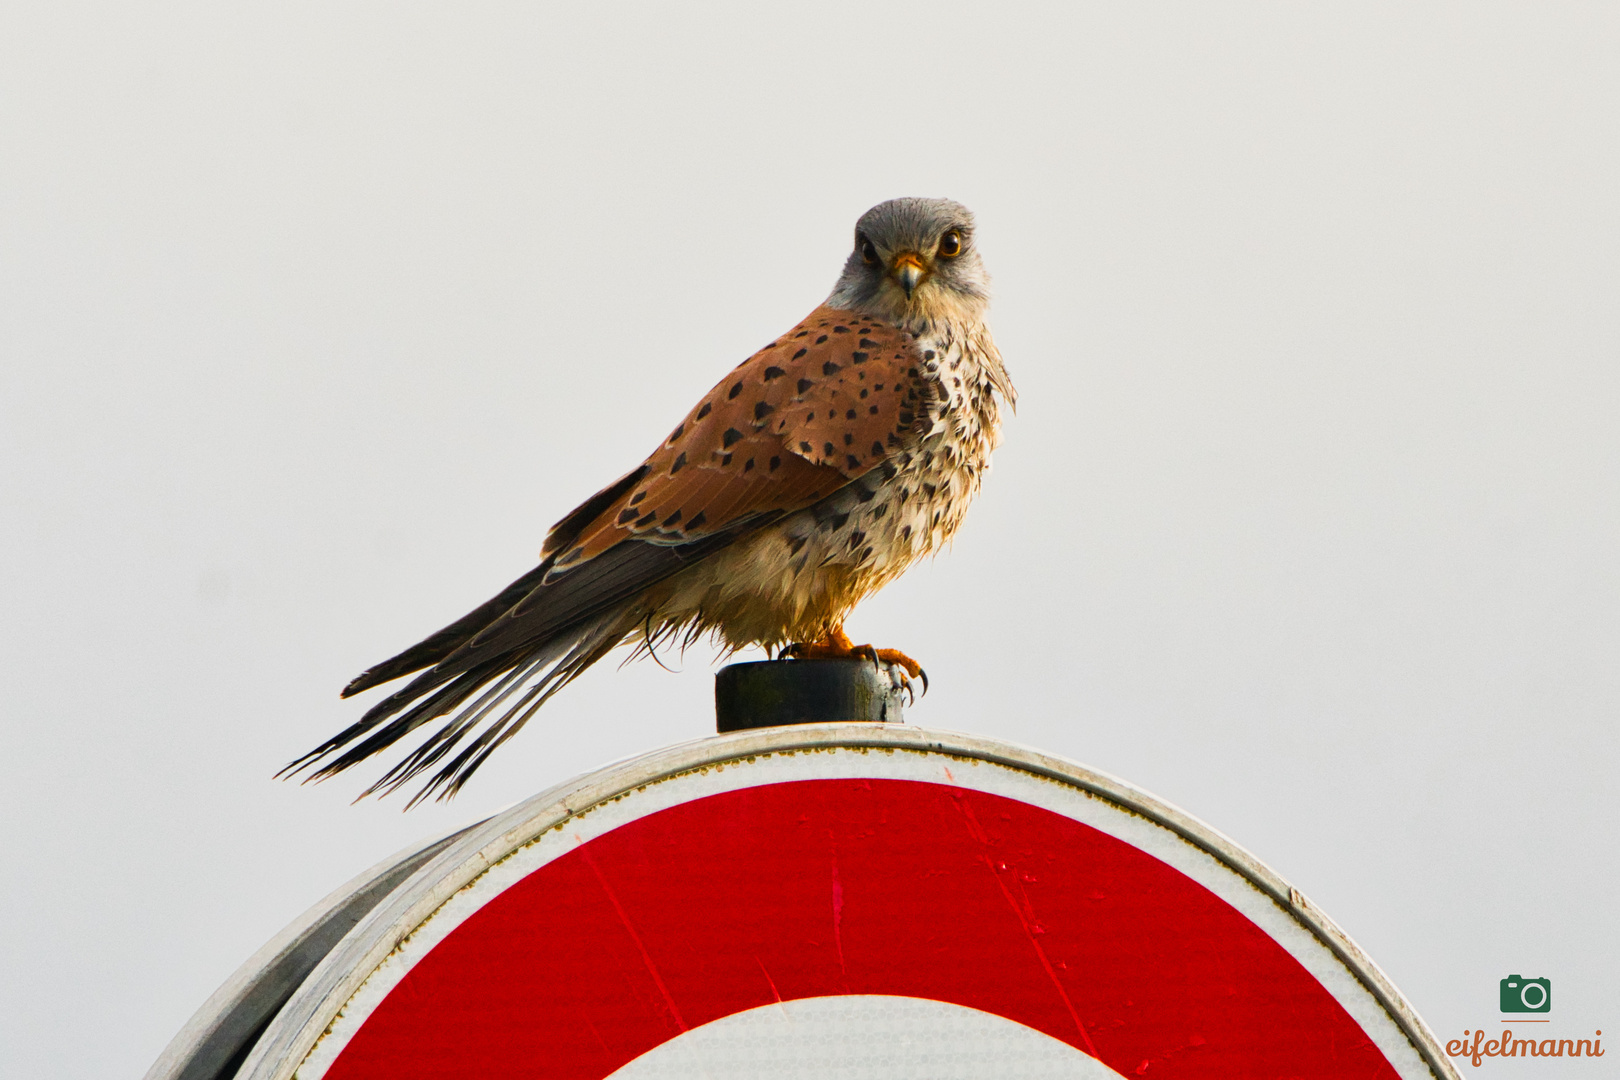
(909, 271)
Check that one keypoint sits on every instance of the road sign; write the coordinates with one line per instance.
(851, 900)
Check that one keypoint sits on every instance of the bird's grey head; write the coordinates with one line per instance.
(914, 258)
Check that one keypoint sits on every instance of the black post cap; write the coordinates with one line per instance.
(770, 693)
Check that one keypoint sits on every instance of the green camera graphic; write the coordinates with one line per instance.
(1526, 995)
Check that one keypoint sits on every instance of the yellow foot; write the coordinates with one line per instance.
(837, 646)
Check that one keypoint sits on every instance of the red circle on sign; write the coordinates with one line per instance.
(827, 887)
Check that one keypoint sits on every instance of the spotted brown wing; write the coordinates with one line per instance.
(799, 419)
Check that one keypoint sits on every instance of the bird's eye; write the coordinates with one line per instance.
(868, 252)
(950, 245)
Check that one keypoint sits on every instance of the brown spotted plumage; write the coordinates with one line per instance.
(809, 477)
(798, 420)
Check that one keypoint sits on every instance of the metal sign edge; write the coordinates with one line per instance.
(247, 997)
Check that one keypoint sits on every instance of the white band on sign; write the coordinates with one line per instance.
(864, 1037)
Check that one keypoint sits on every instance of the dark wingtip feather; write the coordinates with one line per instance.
(436, 647)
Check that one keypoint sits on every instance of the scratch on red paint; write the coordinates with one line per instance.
(775, 993)
(769, 981)
(585, 852)
(959, 798)
(599, 1040)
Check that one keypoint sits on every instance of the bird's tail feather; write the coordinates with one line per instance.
(532, 675)
(436, 745)
(593, 644)
(513, 653)
(433, 694)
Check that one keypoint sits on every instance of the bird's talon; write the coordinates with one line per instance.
(837, 646)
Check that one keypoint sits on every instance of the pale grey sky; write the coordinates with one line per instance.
(313, 317)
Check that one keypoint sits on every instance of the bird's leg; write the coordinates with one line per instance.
(836, 645)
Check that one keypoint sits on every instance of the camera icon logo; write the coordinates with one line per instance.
(1526, 995)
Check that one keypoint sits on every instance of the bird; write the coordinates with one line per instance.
(812, 475)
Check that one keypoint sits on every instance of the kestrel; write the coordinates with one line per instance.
(811, 476)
